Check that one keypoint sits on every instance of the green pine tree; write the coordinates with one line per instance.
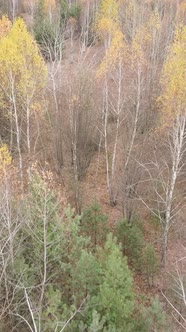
(149, 264)
(94, 224)
(115, 301)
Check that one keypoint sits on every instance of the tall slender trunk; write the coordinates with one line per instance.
(131, 144)
(28, 127)
(74, 144)
(176, 154)
(106, 109)
(11, 129)
(135, 119)
(117, 112)
(17, 131)
(13, 4)
(43, 284)
(58, 143)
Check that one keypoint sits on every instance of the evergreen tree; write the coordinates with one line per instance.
(115, 301)
(131, 238)
(149, 264)
(94, 224)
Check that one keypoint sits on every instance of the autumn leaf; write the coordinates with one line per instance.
(21, 63)
(174, 77)
(114, 54)
(5, 157)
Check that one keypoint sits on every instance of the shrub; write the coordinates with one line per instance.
(74, 11)
(67, 11)
(94, 224)
(131, 238)
(155, 317)
(149, 264)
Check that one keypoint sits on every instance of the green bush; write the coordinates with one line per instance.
(49, 38)
(67, 11)
(74, 11)
(151, 318)
(149, 264)
(94, 224)
(131, 238)
(155, 317)
(115, 299)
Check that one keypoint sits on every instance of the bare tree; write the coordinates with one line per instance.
(176, 144)
(178, 277)
(163, 174)
(10, 225)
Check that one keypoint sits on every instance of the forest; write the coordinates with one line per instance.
(92, 165)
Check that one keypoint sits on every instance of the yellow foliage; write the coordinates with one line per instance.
(108, 27)
(154, 22)
(174, 76)
(114, 54)
(108, 18)
(144, 37)
(5, 157)
(109, 9)
(21, 64)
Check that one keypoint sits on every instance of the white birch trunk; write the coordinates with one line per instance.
(176, 149)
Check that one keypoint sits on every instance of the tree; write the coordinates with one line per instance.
(155, 317)
(94, 224)
(11, 221)
(30, 7)
(108, 20)
(78, 119)
(23, 77)
(130, 236)
(149, 264)
(115, 300)
(111, 68)
(48, 30)
(177, 302)
(141, 67)
(174, 117)
(48, 253)
(166, 165)
(89, 10)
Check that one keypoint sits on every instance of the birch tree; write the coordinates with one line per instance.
(23, 77)
(174, 116)
(111, 68)
(10, 225)
(137, 110)
(177, 302)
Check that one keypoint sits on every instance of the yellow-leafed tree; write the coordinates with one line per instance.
(23, 76)
(5, 157)
(114, 54)
(174, 119)
(108, 20)
(174, 77)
